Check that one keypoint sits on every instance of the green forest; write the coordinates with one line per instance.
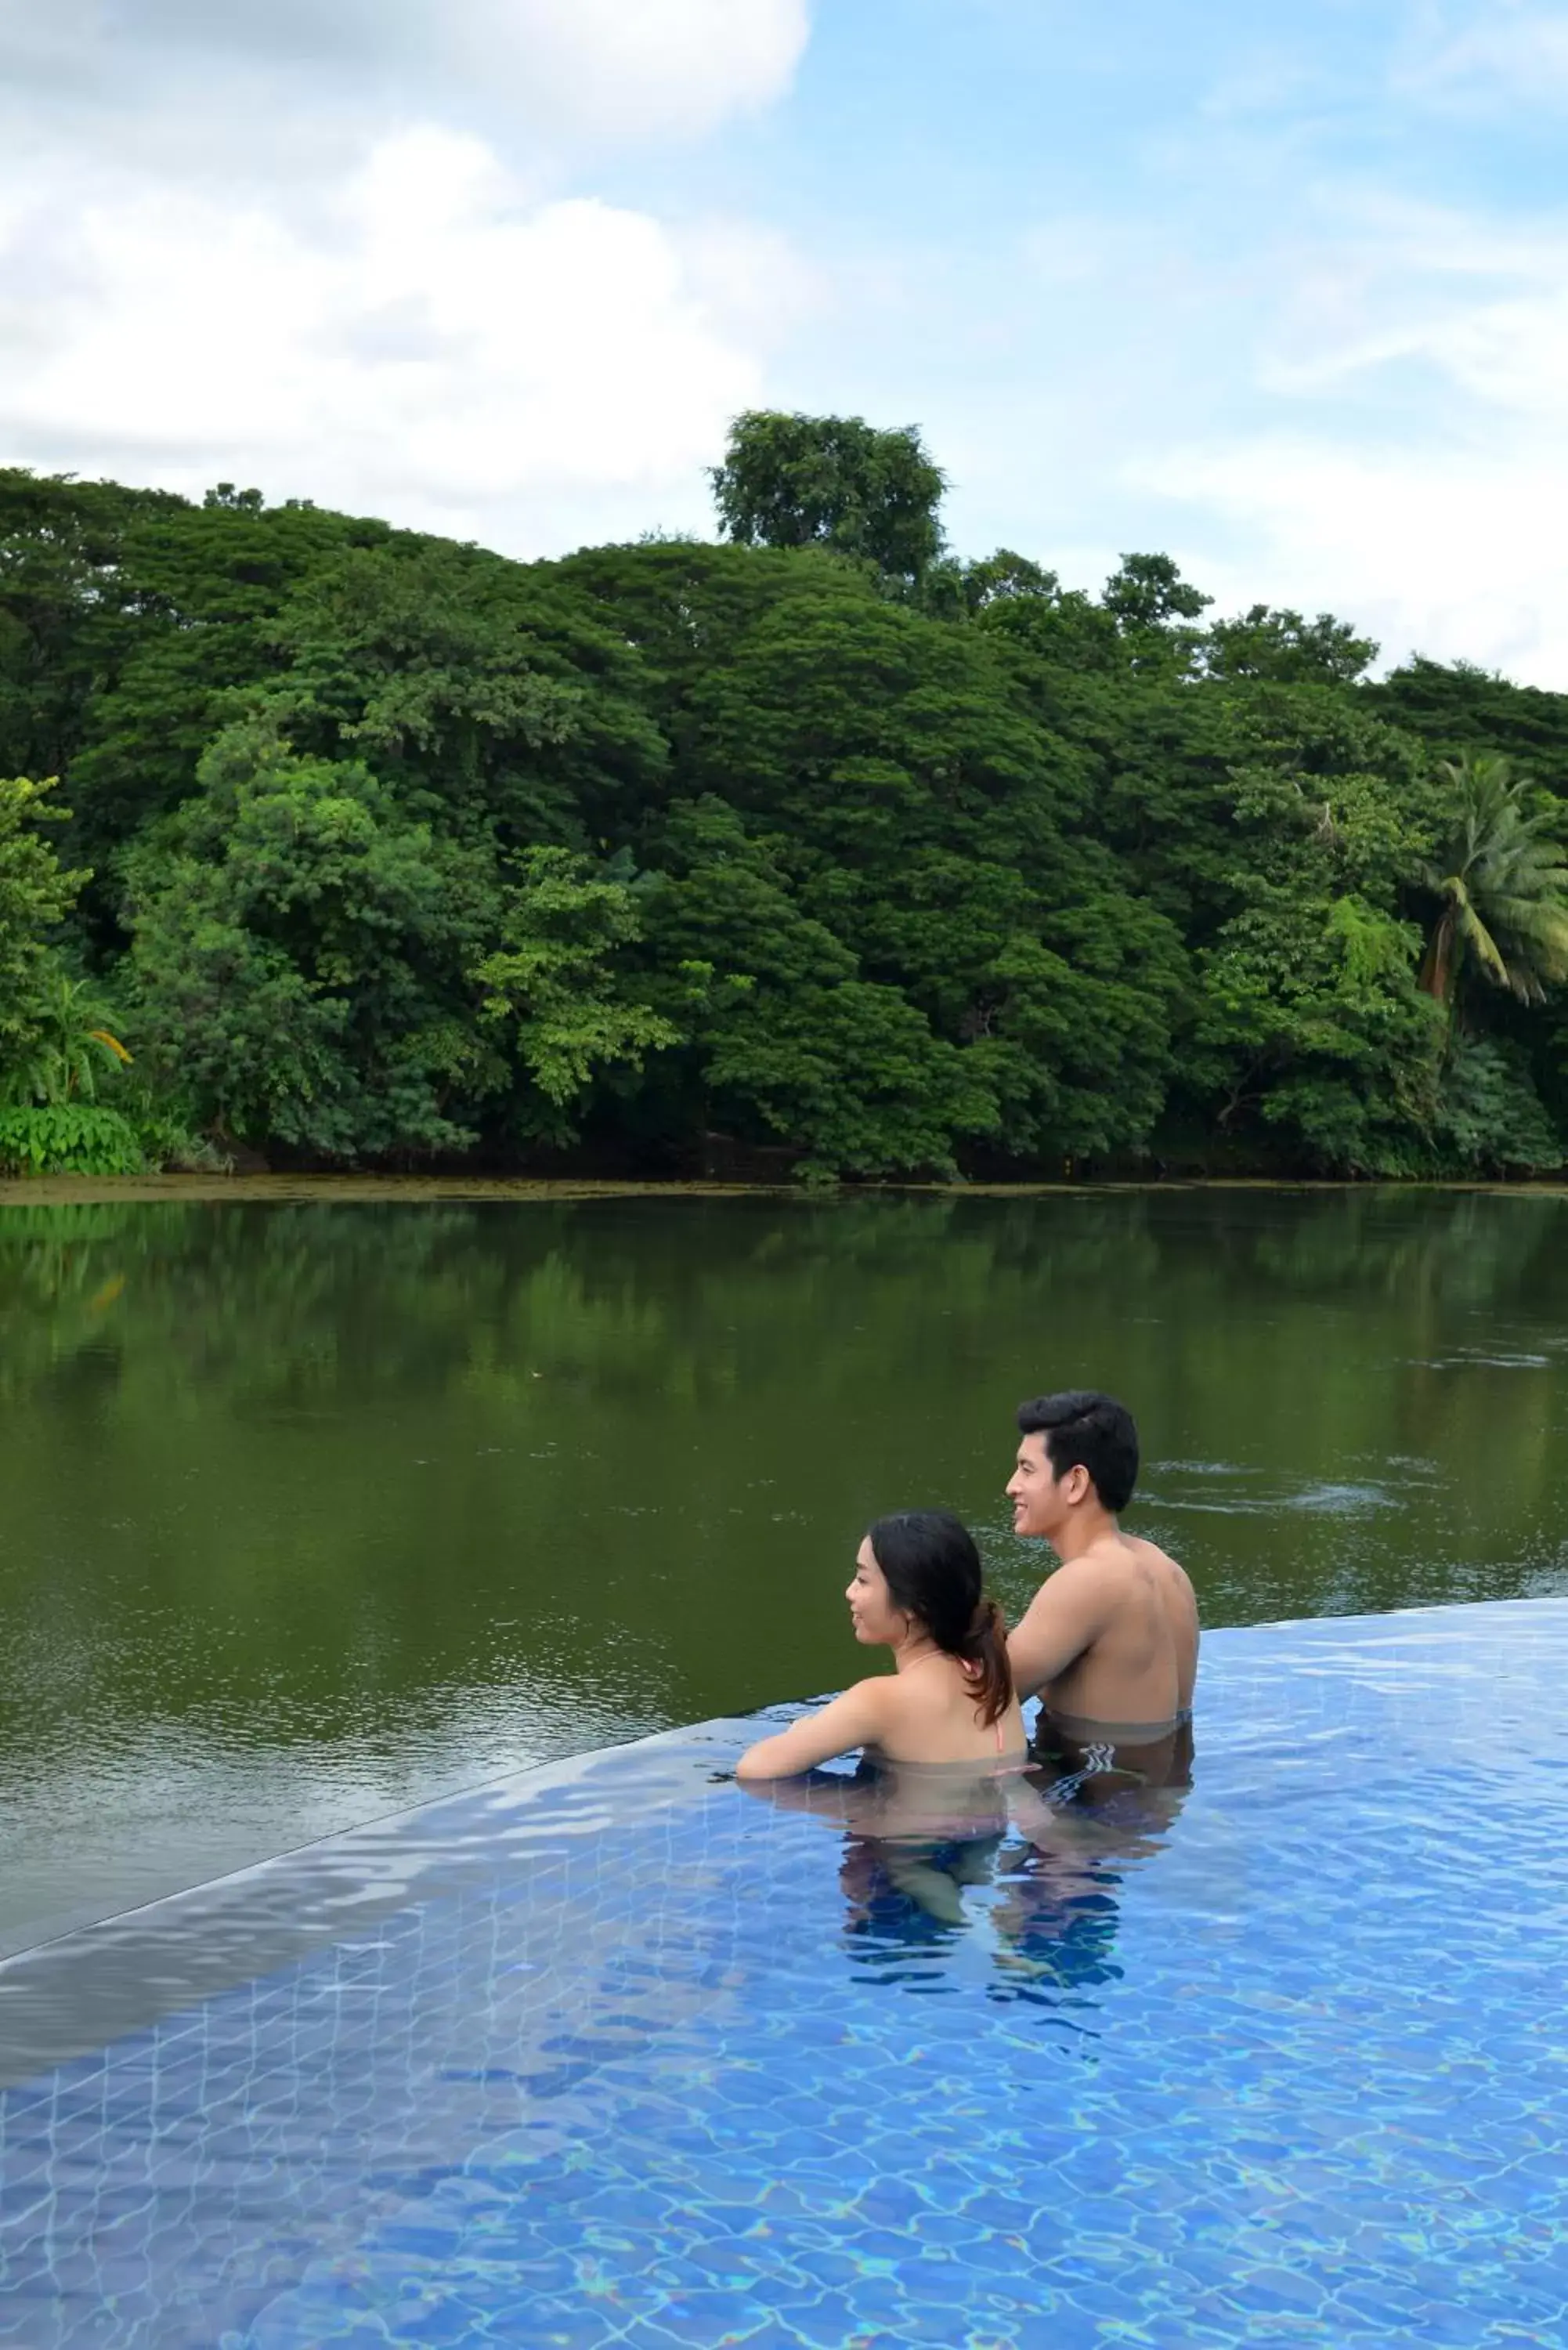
(812, 852)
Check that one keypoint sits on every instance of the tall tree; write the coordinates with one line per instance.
(1287, 649)
(552, 989)
(302, 948)
(483, 692)
(1309, 1029)
(832, 481)
(790, 1043)
(1148, 592)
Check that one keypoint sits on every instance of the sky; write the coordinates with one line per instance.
(1279, 291)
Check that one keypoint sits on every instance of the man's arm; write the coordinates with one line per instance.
(851, 1720)
(1066, 1616)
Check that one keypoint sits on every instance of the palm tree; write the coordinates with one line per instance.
(1501, 882)
(73, 1044)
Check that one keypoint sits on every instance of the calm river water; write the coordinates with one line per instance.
(312, 1508)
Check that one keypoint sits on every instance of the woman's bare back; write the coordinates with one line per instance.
(927, 1713)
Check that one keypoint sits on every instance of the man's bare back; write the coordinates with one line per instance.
(1111, 1638)
(1136, 1610)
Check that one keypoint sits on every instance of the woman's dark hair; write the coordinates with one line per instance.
(932, 1571)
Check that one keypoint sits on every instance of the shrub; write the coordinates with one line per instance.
(69, 1138)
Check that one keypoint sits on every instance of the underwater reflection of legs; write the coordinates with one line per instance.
(916, 1839)
(1056, 1924)
(1091, 1805)
(932, 1876)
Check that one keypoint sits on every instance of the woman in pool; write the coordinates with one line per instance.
(916, 1590)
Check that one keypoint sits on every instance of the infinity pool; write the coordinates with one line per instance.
(616, 2054)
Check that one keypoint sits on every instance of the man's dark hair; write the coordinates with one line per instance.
(1082, 1428)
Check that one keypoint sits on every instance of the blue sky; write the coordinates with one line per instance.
(1282, 291)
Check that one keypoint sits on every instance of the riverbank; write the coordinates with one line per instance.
(61, 1190)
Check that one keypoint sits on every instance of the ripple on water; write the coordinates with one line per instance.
(1467, 1358)
(1320, 1497)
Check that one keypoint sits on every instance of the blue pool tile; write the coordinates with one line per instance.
(714, 2082)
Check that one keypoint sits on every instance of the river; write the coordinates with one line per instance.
(321, 1501)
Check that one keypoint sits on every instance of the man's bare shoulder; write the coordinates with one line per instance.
(1133, 1564)
(1149, 1555)
(1118, 1565)
(1118, 1553)
(1073, 1582)
(1169, 1581)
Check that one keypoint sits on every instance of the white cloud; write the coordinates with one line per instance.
(1510, 50)
(1482, 307)
(428, 343)
(1400, 454)
(1427, 498)
(1457, 554)
(683, 64)
(340, 248)
(554, 71)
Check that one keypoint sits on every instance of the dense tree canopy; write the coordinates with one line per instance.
(819, 849)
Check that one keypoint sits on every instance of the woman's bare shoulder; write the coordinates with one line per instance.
(880, 1692)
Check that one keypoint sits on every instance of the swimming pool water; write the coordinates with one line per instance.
(616, 2054)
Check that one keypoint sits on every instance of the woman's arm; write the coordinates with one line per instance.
(853, 1720)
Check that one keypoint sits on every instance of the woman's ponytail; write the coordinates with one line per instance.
(985, 1660)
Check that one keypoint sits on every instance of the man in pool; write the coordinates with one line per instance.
(1110, 1642)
